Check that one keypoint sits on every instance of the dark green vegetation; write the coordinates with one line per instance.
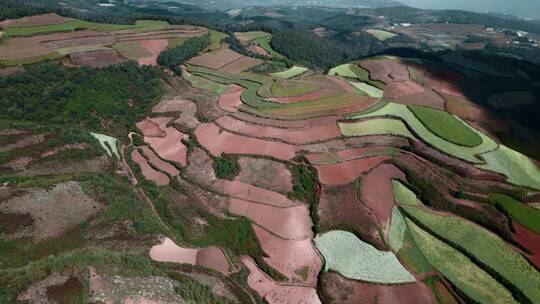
(12, 9)
(306, 189)
(110, 99)
(226, 167)
(446, 126)
(191, 290)
(175, 57)
(518, 211)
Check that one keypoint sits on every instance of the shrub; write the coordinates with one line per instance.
(226, 167)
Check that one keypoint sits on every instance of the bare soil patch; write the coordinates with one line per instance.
(297, 260)
(275, 293)
(346, 172)
(154, 46)
(218, 141)
(215, 60)
(147, 171)
(348, 291)
(53, 211)
(230, 101)
(265, 173)
(529, 240)
(377, 192)
(344, 155)
(36, 20)
(386, 70)
(170, 147)
(252, 193)
(403, 89)
(258, 50)
(428, 98)
(38, 292)
(240, 65)
(159, 163)
(97, 59)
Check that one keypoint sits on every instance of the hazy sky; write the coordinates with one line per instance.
(522, 8)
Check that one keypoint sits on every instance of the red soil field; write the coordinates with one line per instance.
(529, 240)
(159, 163)
(274, 293)
(386, 70)
(169, 147)
(347, 172)
(242, 64)
(265, 173)
(402, 89)
(377, 192)
(343, 155)
(289, 124)
(148, 172)
(299, 137)
(213, 257)
(230, 101)
(290, 257)
(252, 193)
(292, 223)
(258, 50)
(215, 60)
(311, 96)
(353, 292)
(342, 84)
(97, 59)
(154, 47)
(428, 98)
(339, 207)
(36, 20)
(150, 128)
(218, 141)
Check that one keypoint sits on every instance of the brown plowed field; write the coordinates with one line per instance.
(386, 70)
(252, 193)
(242, 64)
(230, 101)
(305, 136)
(159, 163)
(288, 124)
(311, 96)
(265, 173)
(377, 192)
(258, 50)
(150, 128)
(174, 105)
(148, 172)
(529, 240)
(97, 59)
(155, 47)
(169, 147)
(212, 257)
(343, 155)
(274, 293)
(297, 260)
(342, 84)
(218, 141)
(402, 89)
(428, 98)
(215, 60)
(339, 207)
(353, 292)
(36, 20)
(291, 223)
(347, 172)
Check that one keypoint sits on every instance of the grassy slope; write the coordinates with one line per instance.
(288, 89)
(403, 195)
(375, 126)
(381, 35)
(460, 270)
(446, 126)
(264, 42)
(487, 248)
(523, 214)
(290, 73)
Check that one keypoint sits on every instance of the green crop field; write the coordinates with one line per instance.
(381, 35)
(518, 168)
(397, 229)
(488, 248)
(376, 126)
(465, 153)
(411, 255)
(264, 42)
(132, 50)
(216, 38)
(518, 211)
(80, 24)
(290, 73)
(205, 84)
(446, 126)
(345, 253)
(403, 195)
(368, 89)
(288, 89)
(343, 70)
(460, 270)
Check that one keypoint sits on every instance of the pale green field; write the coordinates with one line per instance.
(132, 50)
(404, 196)
(290, 73)
(255, 34)
(485, 246)
(345, 253)
(459, 269)
(469, 154)
(368, 89)
(343, 70)
(216, 38)
(376, 126)
(30, 60)
(397, 229)
(381, 35)
(205, 84)
(518, 168)
(82, 49)
(108, 143)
